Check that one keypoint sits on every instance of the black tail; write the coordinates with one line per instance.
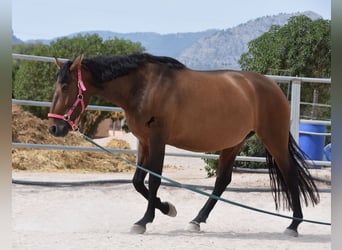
(306, 185)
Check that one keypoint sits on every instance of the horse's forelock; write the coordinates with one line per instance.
(64, 73)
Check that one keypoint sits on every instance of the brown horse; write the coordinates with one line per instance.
(167, 103)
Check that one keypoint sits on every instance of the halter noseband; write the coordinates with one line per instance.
(79, 100)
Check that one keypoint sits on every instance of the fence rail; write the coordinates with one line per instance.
(295, 107)
(48, 104)
(134, 151)
(118, 109)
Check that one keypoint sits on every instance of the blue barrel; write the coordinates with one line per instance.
(327, 152)
(312, 145)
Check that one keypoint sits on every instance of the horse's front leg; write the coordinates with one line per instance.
(153, 160)
(138, 182)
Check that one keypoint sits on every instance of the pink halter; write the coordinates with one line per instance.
(66, 117)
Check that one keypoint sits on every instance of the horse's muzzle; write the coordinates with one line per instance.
(59, 129)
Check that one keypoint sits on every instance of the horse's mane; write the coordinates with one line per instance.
(106, 68)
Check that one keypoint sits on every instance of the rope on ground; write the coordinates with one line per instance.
(191, 188)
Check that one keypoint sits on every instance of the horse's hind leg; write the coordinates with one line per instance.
(288, 175)
(223, 178)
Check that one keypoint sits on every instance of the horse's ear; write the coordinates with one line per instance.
(76, 63)
(58, 63)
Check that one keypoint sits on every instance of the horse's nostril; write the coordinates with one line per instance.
(53, 129)
(59, 130)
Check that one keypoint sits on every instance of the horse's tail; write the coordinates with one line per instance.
(306, 185)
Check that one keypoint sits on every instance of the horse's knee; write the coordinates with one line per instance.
(154, 182)
(138, 183)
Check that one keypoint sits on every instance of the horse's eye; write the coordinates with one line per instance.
(65, 88)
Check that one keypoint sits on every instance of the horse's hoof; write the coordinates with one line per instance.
(193, 226)
(172, 210)
(291, 232)
(138, 229)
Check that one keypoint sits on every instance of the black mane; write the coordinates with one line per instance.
(106, 68)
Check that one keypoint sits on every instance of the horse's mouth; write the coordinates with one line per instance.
(59, 129)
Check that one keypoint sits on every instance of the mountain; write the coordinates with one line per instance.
(16, 40)
(157, 44)
(224, 48)
(210, 49)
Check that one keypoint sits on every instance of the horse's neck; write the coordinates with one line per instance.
(123, 91)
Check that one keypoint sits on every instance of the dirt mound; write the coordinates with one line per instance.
(27, 128)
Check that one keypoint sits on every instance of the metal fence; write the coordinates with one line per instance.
(295, 116)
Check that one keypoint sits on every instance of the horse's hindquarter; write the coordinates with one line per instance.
(215, 110)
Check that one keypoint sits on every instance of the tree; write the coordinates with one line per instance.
(34, 80)
(300, 48)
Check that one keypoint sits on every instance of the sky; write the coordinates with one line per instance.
(43, 19)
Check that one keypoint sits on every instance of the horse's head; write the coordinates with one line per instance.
(70, 97)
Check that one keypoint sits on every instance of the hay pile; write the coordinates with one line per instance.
(27, 128)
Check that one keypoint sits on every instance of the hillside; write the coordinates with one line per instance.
(158, 44)
(210, 49)
(16, 40)
(224, 48)
(167, 44)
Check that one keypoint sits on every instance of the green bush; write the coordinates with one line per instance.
(212, 165)
(252, 147)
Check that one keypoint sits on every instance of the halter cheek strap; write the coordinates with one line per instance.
(79, 100)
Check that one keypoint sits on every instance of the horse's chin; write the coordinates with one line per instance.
(59, 129)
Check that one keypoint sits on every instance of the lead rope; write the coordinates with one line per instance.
(193, 189)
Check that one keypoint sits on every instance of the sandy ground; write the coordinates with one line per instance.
(100, 216)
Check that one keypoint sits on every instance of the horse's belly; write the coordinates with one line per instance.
(203, 144)
(202, 139)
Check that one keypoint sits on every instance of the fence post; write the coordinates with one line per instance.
(295, 108)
